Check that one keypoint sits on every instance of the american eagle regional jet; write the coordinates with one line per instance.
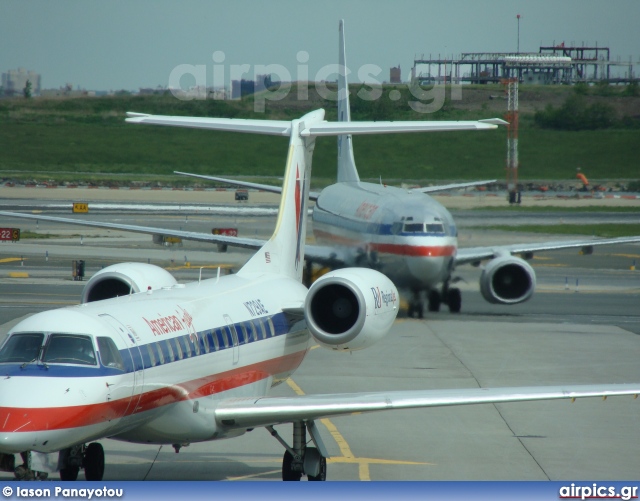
(406, 234)
(147, 360)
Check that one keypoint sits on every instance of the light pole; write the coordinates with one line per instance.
(518, 17)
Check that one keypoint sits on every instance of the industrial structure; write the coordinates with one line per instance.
(14, 82)
(511, 89)
(554, 64)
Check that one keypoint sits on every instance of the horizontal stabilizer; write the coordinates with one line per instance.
(323, 128)
(340, 128)
(269, 127)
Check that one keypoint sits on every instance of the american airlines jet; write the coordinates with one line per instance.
(406, 234)
(148, 360)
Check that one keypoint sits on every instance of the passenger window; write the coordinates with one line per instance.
(187, 346)
(196, 345)
(272, 330)
(172, 355)
(249, 329)
(178, 348)
(152, 356)
(259, 329)
(205, 340)
(160, 354)
(21, 348)
(109, 354)
(223, 339)
(69, 349)
(242, 334)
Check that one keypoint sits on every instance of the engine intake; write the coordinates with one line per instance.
(125, 278)
(507, 280)
(350, 309)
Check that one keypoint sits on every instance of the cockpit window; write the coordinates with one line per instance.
(22, 348)
(110, 355)
(414, 228)
(69, 349)
(435, 228)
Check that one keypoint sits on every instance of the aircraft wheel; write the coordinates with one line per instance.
(454, 300)
(288, 475)
(322, 476)
(94, 462)
(434, 301)
(70, 473)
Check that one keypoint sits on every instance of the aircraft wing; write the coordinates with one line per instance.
(246, 243)
(320, 254)
(476, 254)
(266, 411)
(454, 186)
(246, 184)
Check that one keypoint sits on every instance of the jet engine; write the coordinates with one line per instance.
(350, 309)
(507, 280)
(125, 278)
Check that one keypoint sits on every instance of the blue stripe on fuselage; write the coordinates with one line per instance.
(216, 339)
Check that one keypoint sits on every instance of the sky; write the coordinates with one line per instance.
(129, 44)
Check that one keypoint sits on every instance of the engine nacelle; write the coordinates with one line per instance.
(507, 280)
(350, 309)
(125, 278)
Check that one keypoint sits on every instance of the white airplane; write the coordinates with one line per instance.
(147, 360)
(406, 234)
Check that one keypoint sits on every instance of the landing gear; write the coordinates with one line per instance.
(434, 300)
(299, 460)
(88, 457)
(450, 296)
(454, 300)
(416, 305)
(94, 462)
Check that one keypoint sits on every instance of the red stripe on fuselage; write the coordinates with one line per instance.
(56, 418)
(415, 250)
(395, 249)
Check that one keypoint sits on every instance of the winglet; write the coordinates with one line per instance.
(494, 121)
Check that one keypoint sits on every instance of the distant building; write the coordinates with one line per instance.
(14, 82)
(241, 88)
(395, 75)
(67, 91)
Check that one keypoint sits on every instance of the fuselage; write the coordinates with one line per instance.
(406, 235)
(148, 367)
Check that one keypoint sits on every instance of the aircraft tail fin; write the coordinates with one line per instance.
(347, 171)
(284, 252)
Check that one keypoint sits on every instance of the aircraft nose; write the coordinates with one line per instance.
(14, 442)
(427, 269)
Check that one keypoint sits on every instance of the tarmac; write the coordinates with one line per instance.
(564, 335)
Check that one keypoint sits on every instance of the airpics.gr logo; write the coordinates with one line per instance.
(381, 297)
